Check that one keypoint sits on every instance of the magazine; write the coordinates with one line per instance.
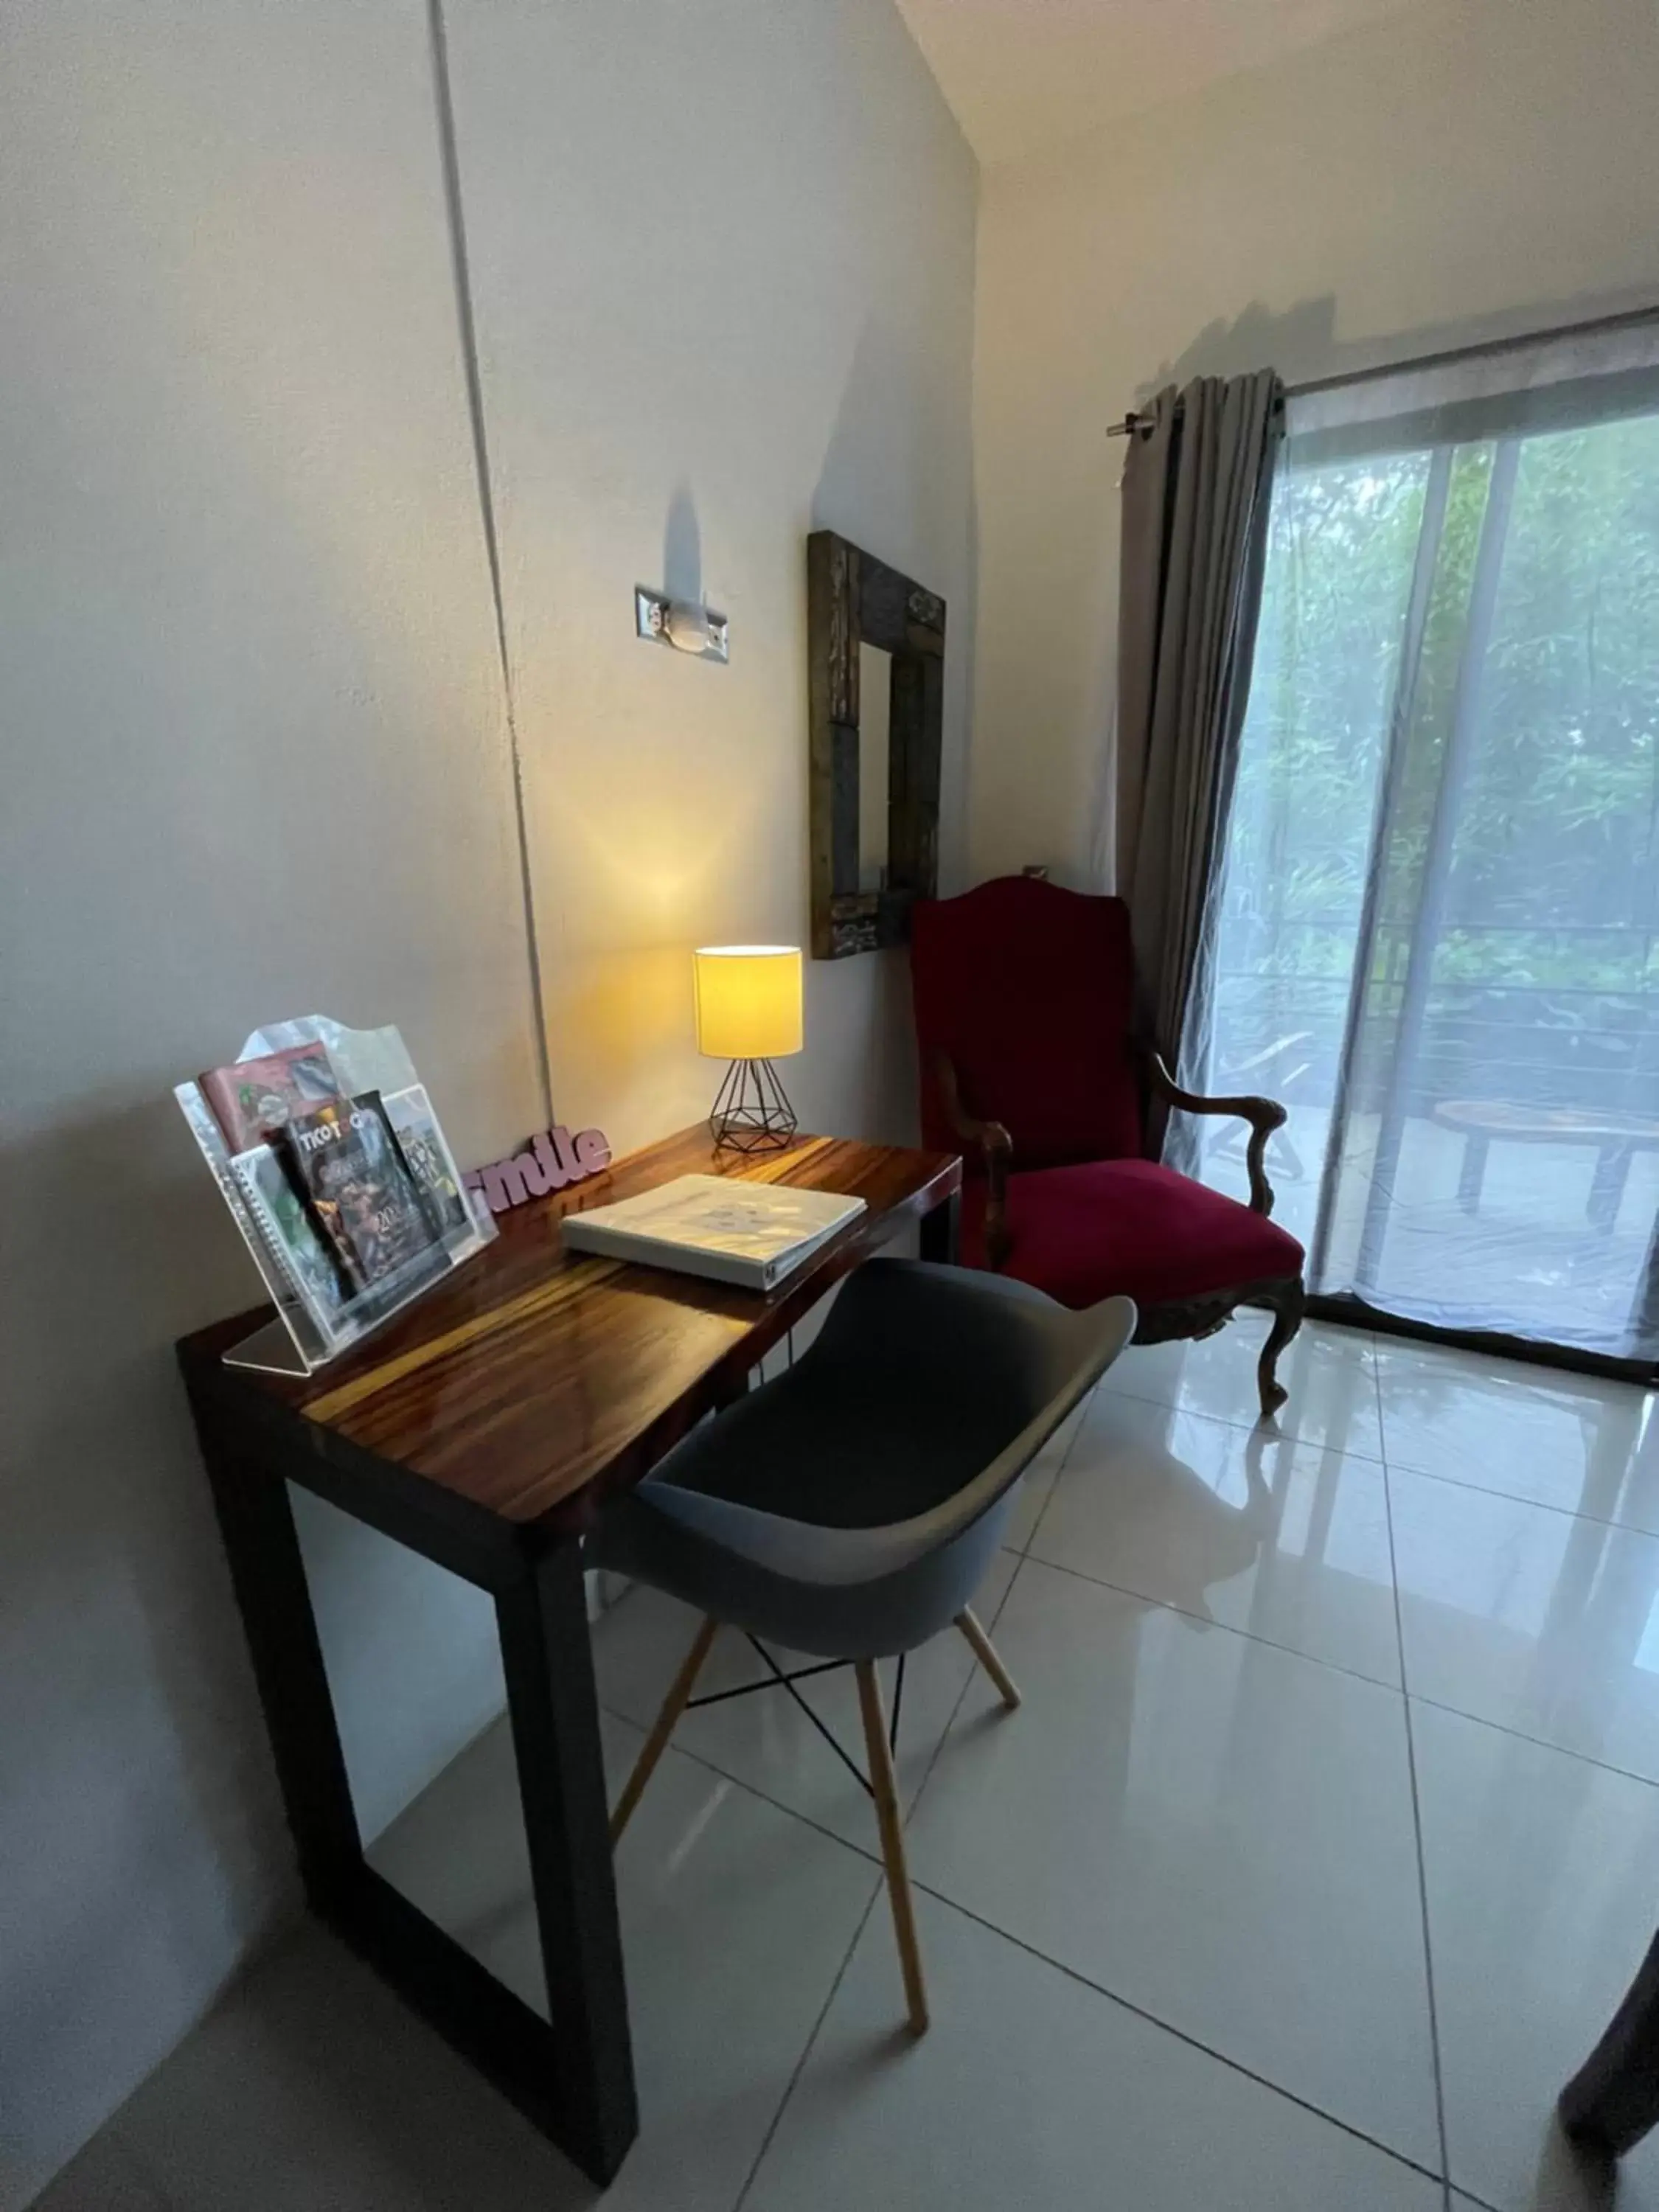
(262, 1241)
(425, 1154)
(752, 1233)
(343, 1161)
(253, 1098)
(354, 1226)
(307, 1261)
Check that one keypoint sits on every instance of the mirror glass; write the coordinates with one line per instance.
(413, 1660)
(875, 705)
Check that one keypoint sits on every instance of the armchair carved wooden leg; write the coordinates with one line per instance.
(1613, 2100)
(1287, 1303)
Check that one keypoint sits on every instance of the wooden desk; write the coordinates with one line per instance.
(482, 1428)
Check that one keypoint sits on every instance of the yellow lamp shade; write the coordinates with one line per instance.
(748, 1001)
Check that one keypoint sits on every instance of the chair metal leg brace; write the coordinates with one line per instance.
(898, 1699)
(679, 1701)
(786, 1682)
(749, 1689)
(882, 1785)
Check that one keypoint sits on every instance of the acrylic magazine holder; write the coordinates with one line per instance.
(317, 1318)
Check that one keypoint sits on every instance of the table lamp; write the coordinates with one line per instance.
(749, 1012)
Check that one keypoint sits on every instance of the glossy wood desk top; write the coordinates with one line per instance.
(534, 1379)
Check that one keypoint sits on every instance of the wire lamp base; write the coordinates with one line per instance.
(752, 1113)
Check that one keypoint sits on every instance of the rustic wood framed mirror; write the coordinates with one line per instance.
(876, 694)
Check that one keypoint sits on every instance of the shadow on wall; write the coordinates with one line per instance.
(858, 1010)
(1303, 345)
(875, 488)
(857, 1076)
(682, 548)
(136, 1761)
(111, 1565)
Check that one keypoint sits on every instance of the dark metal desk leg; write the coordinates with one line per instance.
(262, 1547)
(941, 1230)
(554, 1716)
(1613, 2100)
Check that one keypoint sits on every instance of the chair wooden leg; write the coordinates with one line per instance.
(1288, 1305)
(663, 1727)
(885, 1790)
(986, 1652)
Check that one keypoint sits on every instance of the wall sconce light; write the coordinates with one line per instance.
(749, 1012)
(686, 628)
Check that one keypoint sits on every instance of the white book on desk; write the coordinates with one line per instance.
(750, 1233)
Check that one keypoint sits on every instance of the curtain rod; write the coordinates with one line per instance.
(1595, 327)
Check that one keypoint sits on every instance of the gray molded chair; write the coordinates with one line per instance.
(849, 1509)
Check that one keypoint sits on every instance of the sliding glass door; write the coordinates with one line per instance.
(1437, 929)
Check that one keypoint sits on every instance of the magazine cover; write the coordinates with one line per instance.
(345, 1160)
(426, 1157)
(252, 1097)
(310, 1263)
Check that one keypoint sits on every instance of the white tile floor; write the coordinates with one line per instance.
(1318, 1853)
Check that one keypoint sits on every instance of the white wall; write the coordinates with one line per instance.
(256, 759)
(723, 265)
(1470, 168)
(254, 766)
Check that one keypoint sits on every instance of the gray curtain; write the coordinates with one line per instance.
(1195, 493)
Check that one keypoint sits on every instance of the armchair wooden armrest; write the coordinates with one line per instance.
(994, 1145)
(1263, 1114)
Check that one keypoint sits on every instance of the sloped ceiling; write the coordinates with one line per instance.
(1025, 74)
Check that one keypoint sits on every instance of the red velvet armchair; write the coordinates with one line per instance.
(1024, 997)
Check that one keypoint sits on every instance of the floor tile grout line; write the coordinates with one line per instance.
(1022, 1555)
(1485, 1490)
(1417, 1808)
(1249, 1428)
(1537, 1742)
(1060, 1965)
(1414, 1697)
(799, 2066)
(1088, 1406)
(1514, 1498)
(1440, 1704)
(1480, 1490)
(1394, 1556)
(1226, 1627)
(1469, 2196)
(1422, 1860)
(740, 1782)
(871, 1860)
(1381, 1426)
(1115, 1388)
(968, 1684)
(1167, 2027)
